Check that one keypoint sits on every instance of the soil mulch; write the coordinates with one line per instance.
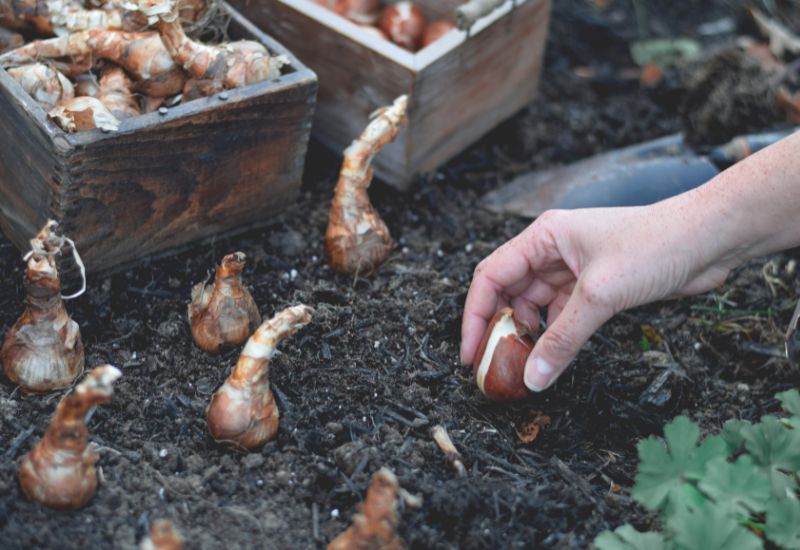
(362, 385)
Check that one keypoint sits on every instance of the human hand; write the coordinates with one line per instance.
(585, 266)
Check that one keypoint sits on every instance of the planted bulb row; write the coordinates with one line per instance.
(43, 351)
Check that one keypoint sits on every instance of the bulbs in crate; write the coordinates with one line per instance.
(404, 23)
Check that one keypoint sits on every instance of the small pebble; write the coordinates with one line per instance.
(163, 453)
(335, 513)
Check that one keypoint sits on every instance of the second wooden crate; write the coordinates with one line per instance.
(460, 86)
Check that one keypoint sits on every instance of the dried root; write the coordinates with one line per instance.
(59, 472)
(232, 65)
(357, 240)
(44, 84)
(375, 526)
(84, 113)
(225, 312)
(141, 54)
(451, 454)
(43, 351)
(243, 413)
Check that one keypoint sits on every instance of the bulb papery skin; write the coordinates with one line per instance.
(43, 351)
(375, 525)
(223, 312)
(499, 366)
(59, 472)
(357, 240)
(243, 413)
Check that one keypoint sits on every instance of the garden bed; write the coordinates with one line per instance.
(379, 364)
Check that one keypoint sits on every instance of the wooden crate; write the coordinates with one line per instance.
(208, 167)
(460, 87)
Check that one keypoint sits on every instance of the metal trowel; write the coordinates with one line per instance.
(641, 174)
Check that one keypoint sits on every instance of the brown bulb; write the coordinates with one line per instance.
(404, 23)
(375, 525)
(363, 12)
(59, 472)
(163, 536)
(499, 366)
(357, 240)
(43, 351)
(243, 413)
(225, 312)
(435, 30)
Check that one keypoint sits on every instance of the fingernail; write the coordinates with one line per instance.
(461, 356)
(538, 374)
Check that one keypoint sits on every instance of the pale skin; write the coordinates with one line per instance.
(586, 265)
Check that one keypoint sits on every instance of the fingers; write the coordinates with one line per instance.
(509, 272)
(504, 267)
(584, 312)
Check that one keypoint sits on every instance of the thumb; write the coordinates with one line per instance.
(583, 314)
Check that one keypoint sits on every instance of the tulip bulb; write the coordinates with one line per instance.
(404, 23)
(163, 536)
(60, 470)
(225, 312)
(499, 366)
(243, 413)
(375, 525)
(43, 351)
(357, 240)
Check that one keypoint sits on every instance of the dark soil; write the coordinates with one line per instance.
(361, 386)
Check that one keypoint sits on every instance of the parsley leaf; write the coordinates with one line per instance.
(783, 522)
(711, 527)
(732, 434)
(665, 469)
(791, 404)
(740, 484)
(628, 538)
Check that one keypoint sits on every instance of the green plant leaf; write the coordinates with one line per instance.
(790, 400)
(664, 51)
(740, 484)
(776, 448)
(665, 468)
(628, 538)
(732, 434)
(711, 528)
(783, 523)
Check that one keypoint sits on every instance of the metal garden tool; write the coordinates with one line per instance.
(641, 174)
